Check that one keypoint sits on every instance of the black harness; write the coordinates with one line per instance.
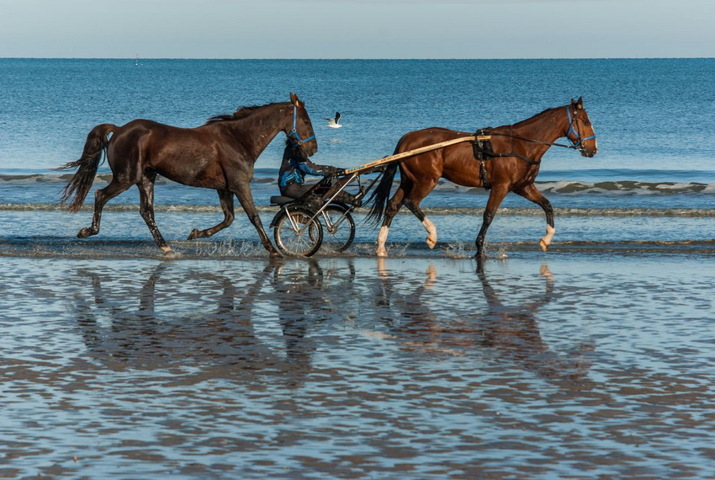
(483, 150)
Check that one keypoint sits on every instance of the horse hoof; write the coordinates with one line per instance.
(194, 234)
(381, 252)
(84, 233)
(543, 246)
(430, 243)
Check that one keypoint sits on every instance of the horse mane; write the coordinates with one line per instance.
(537, 115)
(241, 112)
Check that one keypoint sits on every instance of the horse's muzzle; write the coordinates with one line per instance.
(586, 152)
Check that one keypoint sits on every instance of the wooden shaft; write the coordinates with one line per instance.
(416, 151)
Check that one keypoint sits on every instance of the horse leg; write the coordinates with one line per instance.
(392, 208)
(431, 239)
(226, 199)
(245, 197)
(531, 193)
(416, 195)
(146, 209)
(101, 197)
(496, 195)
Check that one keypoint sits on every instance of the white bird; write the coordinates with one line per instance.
(333, 122)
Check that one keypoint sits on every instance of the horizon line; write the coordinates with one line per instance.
(135, 58)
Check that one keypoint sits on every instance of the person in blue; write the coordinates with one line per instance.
(294, 168)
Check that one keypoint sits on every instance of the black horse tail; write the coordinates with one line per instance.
(87, 165)
(381, 194)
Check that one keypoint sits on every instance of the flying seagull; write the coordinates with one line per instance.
(333, 122)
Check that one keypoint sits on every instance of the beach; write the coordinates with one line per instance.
(591, 360)
(541, 366)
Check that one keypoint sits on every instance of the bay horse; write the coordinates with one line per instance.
(220, 155)
(510, 162)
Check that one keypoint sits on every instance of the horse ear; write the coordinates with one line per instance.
(294, 98)
(579, 103)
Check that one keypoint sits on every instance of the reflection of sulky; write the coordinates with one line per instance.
(513, 331)
(220, 339)
(297, 302)
(304, 291)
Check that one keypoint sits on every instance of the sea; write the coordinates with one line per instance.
(653, 120)
(591, 360)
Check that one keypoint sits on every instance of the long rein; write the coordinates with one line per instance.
(532, 140)
(577, 145)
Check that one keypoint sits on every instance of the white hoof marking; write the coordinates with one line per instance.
(546, 239)
(431, 239)
(381, 239)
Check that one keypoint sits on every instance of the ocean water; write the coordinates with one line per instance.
(652, 118)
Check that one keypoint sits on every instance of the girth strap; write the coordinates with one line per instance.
(483, 144)
(483, 152)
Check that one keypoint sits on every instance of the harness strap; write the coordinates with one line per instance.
(483, 146)
(294, 136)
(579, 140)
(483, 176)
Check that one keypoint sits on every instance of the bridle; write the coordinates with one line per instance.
(293, 135)
(483, 149)
(575, 144)
(578, 143)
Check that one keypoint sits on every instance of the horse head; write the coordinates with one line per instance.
(301, 135)
(580, 130)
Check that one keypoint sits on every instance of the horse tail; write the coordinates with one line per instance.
(87, 165)
(381, 194)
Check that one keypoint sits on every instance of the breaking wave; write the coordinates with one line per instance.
(557, 186)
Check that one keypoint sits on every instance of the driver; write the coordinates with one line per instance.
(295, 166)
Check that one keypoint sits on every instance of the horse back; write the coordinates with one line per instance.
(185, 155)
(455, 163)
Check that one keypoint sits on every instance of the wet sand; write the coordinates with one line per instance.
(564, 365)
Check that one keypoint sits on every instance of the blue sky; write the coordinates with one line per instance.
(357, 28)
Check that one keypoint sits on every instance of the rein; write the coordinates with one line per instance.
(575, 144)
(293, 135)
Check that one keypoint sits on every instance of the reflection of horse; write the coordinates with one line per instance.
(142, 337)
(508, 162)
(155, 334)
(512, 331)
(220, 155)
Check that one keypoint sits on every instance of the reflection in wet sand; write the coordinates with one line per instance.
(221, 338)
(341, 368)
(512, 331)
(143, 339)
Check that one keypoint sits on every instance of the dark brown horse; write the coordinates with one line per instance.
(510, 161)
(219, 155)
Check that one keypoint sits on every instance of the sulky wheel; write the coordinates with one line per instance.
(296, 233)
(338, 228)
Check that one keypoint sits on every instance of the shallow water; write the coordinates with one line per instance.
(581, 367)
(49, 233)
(593, 360)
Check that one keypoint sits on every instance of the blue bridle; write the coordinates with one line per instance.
(579, 141)
(293, 135)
